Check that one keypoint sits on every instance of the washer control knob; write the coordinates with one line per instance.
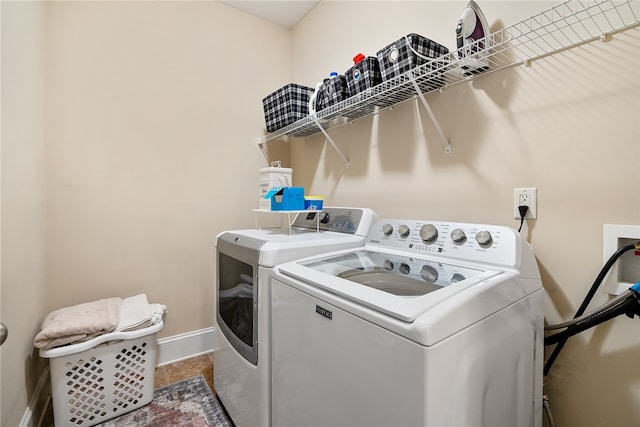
(484, 238)
(404, 231)
(325, 218)
(347, 224)
(458, 236)
(387, 229)
(388, 265)
(429, 233)
(457, 277)
(429, 274)
(404, 268)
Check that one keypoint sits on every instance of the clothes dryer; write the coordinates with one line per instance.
(244, 260)
(429, 324)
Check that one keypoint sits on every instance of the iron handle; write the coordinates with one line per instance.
(3, 333)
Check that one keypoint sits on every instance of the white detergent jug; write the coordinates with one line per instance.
(312, 99)
(274, 176)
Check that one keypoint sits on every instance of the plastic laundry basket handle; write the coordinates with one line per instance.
(111, 336)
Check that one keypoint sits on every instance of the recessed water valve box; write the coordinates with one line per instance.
(625, 272)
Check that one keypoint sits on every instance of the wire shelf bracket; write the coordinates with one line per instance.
(265, 150)
(434, 119)
(333, 144)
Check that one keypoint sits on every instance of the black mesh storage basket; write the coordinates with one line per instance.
(285, 106)
(332, 91)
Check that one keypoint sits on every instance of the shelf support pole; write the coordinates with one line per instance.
(434, 119)
(264, 149)
(335, 147)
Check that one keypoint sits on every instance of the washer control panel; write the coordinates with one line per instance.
(342, 220)
(492, 244)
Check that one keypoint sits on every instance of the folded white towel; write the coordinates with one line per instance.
(157, 312)
(79, 323)
(137, 313)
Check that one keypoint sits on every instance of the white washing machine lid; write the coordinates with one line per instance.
(390, 282)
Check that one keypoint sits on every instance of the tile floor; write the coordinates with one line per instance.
(164, 376)
(188, 368)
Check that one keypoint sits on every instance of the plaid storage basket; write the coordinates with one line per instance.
(332, 91)
(363, 75)
(407, 53)
(287, 105)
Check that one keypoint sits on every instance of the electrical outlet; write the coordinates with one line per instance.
(525, 197)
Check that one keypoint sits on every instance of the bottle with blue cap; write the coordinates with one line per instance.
(332, 90)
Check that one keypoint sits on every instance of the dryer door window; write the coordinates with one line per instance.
(236, 305)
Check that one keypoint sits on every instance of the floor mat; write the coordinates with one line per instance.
(189, 403)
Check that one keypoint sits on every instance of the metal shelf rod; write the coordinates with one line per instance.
(434, 119)
(335, 147)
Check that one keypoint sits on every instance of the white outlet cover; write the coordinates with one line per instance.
(625, 272)
(532, 213)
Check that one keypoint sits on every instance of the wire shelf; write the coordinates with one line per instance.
(561, 27)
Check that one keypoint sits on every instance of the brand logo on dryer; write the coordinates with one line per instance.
(324, 312)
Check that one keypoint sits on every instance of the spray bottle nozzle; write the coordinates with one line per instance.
(358, 58)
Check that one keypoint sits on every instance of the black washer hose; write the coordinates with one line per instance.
(587, 299)
(629, 306)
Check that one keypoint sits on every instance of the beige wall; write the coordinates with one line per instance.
(153, 110)
(128, 142)
(22, 292)
(568, 125)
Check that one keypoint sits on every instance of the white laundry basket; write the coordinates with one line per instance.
(102, 378)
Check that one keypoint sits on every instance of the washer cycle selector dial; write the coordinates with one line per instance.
(387, 229)
(325, 218)
(484, 238)
(458, 236)
(429, 233)
(403, 230)
(429, 274)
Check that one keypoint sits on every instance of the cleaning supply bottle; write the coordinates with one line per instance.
(312, 99)
(357, 74)
(314, 96)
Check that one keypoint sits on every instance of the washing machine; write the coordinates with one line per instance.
(244, 260)
(430, 323)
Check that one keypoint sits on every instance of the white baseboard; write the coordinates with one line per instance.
(170, 349)
(38, 401)
(183, 346)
